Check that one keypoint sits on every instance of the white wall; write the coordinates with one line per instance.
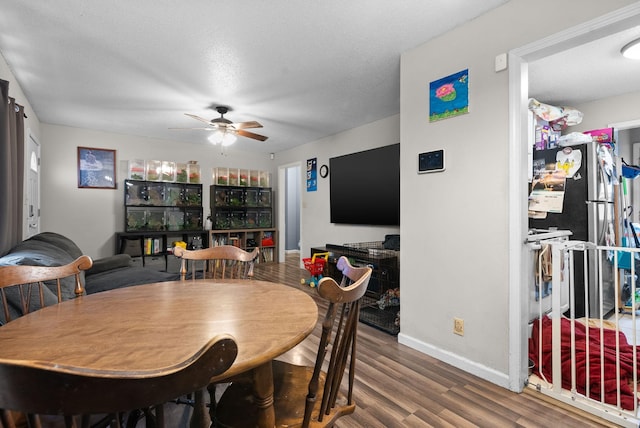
(316, 230)
(455, 225)
(31, 122)
(91, 217)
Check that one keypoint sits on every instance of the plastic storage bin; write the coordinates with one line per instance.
(168, 171)
(136, 169)
(194, 172)
(182, 172)
(154, 170)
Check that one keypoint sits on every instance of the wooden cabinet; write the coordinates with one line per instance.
(247, 239)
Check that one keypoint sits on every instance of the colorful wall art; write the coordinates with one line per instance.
(449, 96)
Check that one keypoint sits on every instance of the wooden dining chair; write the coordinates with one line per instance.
(308, 396)
(219, 262)
(223, 262)
(24, 289)
(37, 388)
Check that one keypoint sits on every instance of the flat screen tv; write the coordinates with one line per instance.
(365, 187)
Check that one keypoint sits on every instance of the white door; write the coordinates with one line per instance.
(32, 188)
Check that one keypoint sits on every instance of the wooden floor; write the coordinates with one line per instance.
(397, 386)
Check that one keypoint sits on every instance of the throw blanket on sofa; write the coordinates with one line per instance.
(601, 353)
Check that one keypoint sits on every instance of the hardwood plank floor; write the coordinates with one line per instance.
(397, 386)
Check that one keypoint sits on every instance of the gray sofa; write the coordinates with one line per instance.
(53, 249)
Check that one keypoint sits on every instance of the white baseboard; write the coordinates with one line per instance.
(487, 373)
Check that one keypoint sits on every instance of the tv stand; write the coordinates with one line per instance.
(380, 306)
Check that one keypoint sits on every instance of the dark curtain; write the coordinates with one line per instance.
(11, 169)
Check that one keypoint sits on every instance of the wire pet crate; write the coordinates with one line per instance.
(380, 306)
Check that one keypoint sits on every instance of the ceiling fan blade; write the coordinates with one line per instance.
(211, 128)
(251, 135)
(245, 125)
(201, 119)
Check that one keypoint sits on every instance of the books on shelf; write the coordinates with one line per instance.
(267, 255)
(152, 246)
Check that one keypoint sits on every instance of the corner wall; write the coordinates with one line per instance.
(455, 224)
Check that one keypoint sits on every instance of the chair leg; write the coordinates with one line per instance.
(33, 421)
(159, 416)
(200, 417)
(211, 388)
(133, 417)
(7, 419)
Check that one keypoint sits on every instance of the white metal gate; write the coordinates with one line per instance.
(590, 362)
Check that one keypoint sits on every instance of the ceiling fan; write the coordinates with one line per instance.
(227, 131)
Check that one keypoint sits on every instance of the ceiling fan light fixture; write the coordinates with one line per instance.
(631, 50)
(222, 137)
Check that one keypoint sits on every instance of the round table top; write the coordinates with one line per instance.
(156, 327)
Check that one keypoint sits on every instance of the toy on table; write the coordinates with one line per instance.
(315, 265)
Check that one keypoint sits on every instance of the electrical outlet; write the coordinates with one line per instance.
(458, 326)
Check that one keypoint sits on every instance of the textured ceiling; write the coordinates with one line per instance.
(588, 72)
(304, 70)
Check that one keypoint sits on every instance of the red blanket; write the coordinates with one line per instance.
(608, 360)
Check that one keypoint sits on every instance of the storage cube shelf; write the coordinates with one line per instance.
(157, 206)
(248, 239)
(243, 216)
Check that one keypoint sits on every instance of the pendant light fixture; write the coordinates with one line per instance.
(631, 50)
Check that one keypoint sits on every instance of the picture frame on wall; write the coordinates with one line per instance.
(96, 168)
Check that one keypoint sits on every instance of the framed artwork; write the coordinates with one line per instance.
(449, 96)
(96, 168)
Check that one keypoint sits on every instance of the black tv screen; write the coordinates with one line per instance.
(365, 187)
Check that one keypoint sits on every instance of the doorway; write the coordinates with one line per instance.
(31, 221)
(519, 60)
(289, 205)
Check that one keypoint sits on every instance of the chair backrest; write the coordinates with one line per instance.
(47, 389)
(24, 289)
(221, 262)
(341, 322)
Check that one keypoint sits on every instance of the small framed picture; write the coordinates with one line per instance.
(96, 168)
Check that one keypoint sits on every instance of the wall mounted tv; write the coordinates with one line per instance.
(365, 187)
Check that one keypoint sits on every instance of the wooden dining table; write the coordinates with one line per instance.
(154, 327)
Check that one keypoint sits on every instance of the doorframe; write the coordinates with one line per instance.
(282, 189)
(30, 138)
(518, 60)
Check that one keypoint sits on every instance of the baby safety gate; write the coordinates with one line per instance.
(589, 362)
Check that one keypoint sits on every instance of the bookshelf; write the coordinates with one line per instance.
(247, 239)
(154, 249)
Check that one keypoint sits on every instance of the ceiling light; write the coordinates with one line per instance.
(223, 137)
(631, 50)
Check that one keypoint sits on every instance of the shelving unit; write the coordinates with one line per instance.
(158, 213)
(380, 306)
(248, 239)
(155, 206)
(243, 216)
(153, 250)
(237, 207)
